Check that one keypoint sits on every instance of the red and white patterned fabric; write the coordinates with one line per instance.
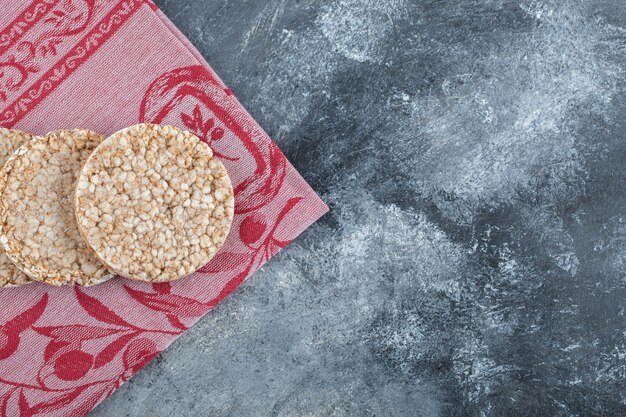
(104, 65)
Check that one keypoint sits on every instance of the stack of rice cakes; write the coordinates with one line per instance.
(149, 203)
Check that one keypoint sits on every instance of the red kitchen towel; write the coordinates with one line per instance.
(104, 65)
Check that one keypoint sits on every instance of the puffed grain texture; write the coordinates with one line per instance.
(10, 141)
(37, 224)
(153, 203)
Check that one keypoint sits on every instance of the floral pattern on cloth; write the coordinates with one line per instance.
(63, 350)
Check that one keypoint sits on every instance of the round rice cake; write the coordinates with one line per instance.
(37, 223)
(10, 141)
(153, 203)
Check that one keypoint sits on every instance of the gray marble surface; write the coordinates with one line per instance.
(474, 262)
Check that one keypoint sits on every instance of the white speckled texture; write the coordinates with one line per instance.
(474, 261)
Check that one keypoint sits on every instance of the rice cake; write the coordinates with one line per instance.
(153, 203)
(10, 141)
(37, 223)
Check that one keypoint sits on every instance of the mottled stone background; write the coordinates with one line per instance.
(474, 262)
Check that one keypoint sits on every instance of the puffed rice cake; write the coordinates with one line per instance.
(37, 223)
(153, 203)
(10, 141)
